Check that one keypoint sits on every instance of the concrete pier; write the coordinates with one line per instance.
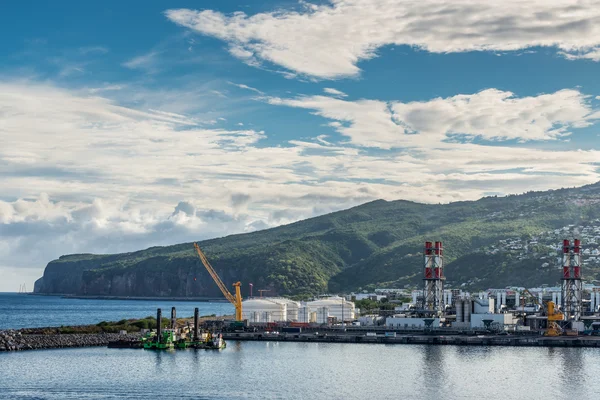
(459, 340)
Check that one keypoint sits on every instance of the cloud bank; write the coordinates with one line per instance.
(328, 41)
(82, 173)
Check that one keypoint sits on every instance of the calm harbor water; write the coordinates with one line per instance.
(268, 370)
(24, 311)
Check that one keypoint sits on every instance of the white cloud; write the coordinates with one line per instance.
(335, 92)
(327, 41)
(490, 115)
(106, 88)
(90, 175)
(246, 87)
(146, 61)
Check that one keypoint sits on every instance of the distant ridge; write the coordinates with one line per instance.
(375, 244)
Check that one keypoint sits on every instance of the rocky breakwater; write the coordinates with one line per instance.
(15, 340)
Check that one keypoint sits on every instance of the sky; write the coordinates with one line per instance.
(130, 124)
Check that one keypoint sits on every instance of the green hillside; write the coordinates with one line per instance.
(375, 244)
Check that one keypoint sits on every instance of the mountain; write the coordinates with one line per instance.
(494, 241)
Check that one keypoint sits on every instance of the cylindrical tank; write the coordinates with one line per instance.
(503, 298)
(415, 296)
(597, 299)
(277, 309)
(459, 310)
(322, 315)
(592, 301)
(313, 317)
(304, 314)
(498, 301)
(291, 307)
(467, 310)
(267, 316)
(338, 307)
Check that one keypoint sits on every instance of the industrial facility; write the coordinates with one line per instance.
(569, 309)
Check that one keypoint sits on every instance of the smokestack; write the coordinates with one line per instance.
(577, 257)
(196, 324)
(428, 260)
(566, 259)
(173, 317)
(159, 325)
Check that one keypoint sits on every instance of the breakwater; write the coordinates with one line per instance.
(16, 340)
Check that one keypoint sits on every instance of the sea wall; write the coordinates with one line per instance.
(14, 340)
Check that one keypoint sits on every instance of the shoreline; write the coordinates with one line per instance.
(142, 298)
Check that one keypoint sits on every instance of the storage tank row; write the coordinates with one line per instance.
(276, 309)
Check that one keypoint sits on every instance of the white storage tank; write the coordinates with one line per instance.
(338, 307)
(267, 316)
(322, 315)
(254, 316)
(304, 314)
(292, 307)
(277, 310)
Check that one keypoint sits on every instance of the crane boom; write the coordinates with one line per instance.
(235, 300)
(554, 316)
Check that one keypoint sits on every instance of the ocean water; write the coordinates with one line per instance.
(26, 311)
(269, 370)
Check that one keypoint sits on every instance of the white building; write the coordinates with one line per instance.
(501, 319)
(370, 320)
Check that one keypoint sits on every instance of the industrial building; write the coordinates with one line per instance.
(570, 307)
(554, 310)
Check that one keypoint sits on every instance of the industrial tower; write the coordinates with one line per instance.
(433, 289)
(572, 285)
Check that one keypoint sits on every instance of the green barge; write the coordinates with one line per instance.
(165, 339)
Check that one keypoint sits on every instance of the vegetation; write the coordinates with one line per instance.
(368, 306)
(372, 245)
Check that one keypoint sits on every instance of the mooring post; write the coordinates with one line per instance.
(196, 324)
(158, 325)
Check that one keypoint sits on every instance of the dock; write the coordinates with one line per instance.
(429, 339)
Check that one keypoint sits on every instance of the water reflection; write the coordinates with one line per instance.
(433, 370)
(571, 372)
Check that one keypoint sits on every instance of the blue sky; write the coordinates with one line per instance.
(131, 124)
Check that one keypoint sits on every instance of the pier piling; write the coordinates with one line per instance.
(158, 325)
(196, 312)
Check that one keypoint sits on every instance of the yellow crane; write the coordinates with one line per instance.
(235, 300)
(554, 316)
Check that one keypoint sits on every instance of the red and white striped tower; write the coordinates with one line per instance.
(572, 285)
(433, 289)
